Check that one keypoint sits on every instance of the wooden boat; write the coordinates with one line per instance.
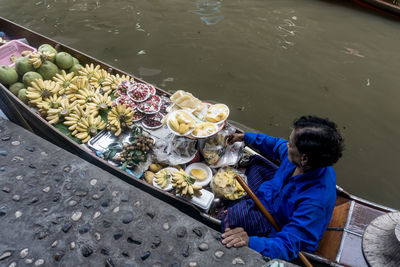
(341, 244)
(384, 6)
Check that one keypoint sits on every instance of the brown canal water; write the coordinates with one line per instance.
(270, 61)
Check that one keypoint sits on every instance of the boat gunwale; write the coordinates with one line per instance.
(384, 5)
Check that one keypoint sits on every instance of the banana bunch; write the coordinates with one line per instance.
(75, 117)
(184, 184)
(100, 102)
(89, 70)
(37, 58)
(81, 83)
(55, 114)
(163, 178)
(119, 117)
(51, 102)
(85, 96)
(113, 81)
(40, 90)
(89, 127)
(25, 53)
(13, 58)
(67, 81)
(98, 81)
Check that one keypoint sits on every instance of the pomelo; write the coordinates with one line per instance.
(64, 60)
(48, 70)
(75, 60)
(22, 66)
(47, 48)
(8, 75)
(75, 68)
(15, 87)
(22, 96)
(30, 76)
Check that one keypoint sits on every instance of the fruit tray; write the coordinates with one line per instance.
(104, 138)
(13, 48)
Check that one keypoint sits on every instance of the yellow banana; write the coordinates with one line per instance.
(119, 117)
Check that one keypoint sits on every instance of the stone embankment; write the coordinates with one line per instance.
(58, 210)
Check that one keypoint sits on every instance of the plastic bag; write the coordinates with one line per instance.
(217, 153)
(175, 150)
(224, 184)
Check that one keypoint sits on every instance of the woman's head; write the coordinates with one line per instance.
(317, 141)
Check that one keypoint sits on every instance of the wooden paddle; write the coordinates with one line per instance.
(267, 214)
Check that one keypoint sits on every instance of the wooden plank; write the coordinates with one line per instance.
(341, 200)
(330, 242)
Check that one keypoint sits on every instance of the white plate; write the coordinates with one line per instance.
(223, 105)
(173, 114)
(169, 185)
(203, 167)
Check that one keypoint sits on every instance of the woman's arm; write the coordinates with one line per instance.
(269, 146)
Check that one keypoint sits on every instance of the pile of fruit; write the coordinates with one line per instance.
(217, 113)
(225, 184)
(132, 153)
(204, 129)
(65, 92)
(184, 184)
(181, 122)
(163, 177)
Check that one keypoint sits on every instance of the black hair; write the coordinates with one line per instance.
(319, 139)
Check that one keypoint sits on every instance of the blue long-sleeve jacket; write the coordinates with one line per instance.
(302, 205)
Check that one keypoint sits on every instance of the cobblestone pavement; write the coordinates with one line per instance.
(58, 210)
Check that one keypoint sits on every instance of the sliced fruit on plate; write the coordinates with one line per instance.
(181, 122)
(199, 174)
(217, 113)
(140, 92)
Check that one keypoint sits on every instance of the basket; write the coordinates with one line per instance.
(13, 48)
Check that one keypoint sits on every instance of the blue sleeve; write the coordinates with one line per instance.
(269, 146)
(301, 233)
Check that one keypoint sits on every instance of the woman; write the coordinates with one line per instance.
(300, 194)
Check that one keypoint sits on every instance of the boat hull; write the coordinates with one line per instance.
(385, 6)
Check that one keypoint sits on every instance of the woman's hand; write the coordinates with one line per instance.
(236, 237)
(236, 137)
